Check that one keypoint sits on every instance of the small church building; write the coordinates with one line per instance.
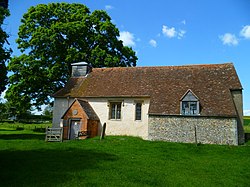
(191, 103)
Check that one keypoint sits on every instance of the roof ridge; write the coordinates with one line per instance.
(169, 66)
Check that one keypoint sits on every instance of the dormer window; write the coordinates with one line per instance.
(189, 104)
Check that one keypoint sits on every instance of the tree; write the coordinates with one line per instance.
(48, 111)
(4, 52)
(3, 111)
(52, 37)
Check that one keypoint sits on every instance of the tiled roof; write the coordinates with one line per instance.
(71, 86)
(165, 85)
(88, 110)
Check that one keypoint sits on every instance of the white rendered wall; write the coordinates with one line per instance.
(127, 125)
(59, 108)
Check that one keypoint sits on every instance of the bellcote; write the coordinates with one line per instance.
(80, 69)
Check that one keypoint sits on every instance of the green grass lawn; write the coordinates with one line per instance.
(27, 160)
(247, 124)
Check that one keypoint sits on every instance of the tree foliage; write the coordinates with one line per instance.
(52, 37)
(3, 111)
(48, 111)
(4, 52)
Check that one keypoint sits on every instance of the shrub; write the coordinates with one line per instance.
(19, 128)
(39, 130)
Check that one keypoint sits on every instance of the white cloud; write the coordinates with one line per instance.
(108, 7)
(183, 22)
(181, 34)
(169, 32)
(246, 112)
(172, 32)
(127, 38)
(245, 32)
(153, 43)
(229, 39)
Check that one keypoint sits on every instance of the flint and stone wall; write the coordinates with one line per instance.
(188, 129)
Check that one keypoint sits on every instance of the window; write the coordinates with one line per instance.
(189, 104)
(115, 110)
(138, 111)
(189, 108)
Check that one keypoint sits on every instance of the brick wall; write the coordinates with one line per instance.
(190, 129)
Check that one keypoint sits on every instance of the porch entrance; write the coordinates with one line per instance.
(74, 129)
(80, 121)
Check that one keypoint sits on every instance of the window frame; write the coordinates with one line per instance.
(190, 100)
(116, 107)
(140, 115)
(190, 111)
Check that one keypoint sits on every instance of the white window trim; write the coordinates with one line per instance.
(110, 110)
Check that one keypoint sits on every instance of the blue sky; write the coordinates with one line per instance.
(177, 32)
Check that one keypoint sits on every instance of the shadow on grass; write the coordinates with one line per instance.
(22, 136)
(48, 167)
(7, 129)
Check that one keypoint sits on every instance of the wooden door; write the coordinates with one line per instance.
(74, 129)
